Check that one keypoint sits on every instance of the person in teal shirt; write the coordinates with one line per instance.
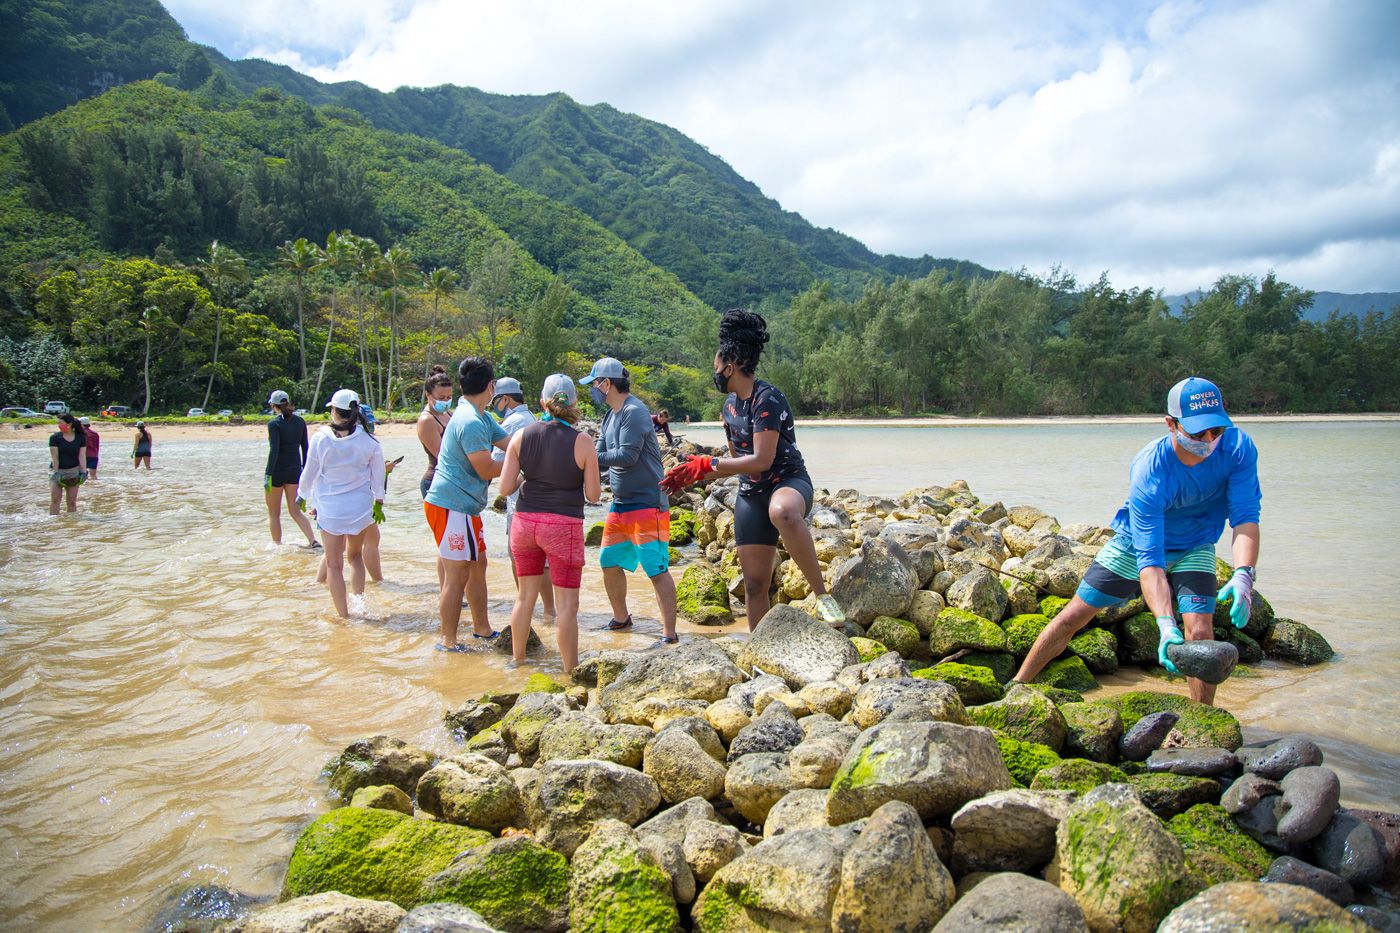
(1183, 488)
(457, 496)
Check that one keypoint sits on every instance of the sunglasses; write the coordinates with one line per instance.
(1209, 434)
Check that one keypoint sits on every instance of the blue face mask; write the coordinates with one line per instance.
(599, 398)
(440, 405)
(1197, 448)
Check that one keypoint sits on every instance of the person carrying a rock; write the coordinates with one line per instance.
(775, 490)
(1183, 488)
(637, 528)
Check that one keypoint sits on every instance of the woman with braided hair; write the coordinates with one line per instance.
(775, 491)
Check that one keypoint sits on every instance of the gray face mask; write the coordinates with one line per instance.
(1198, 448)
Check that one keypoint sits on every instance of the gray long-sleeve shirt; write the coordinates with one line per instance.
(628, 450)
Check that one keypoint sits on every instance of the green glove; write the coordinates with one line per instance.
(1170, 635)
(267, 482)
(301, 503)
(378, 513)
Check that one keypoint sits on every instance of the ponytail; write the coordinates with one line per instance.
(561, 409)
(343, 418)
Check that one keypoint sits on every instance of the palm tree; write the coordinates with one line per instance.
(299, 258)
(397, 264)
(337, 255)
(440, 283)
(223, 264)
(366, 273)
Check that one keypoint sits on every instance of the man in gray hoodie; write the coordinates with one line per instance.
(637, 529)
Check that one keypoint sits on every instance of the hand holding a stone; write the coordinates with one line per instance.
(1170, 635)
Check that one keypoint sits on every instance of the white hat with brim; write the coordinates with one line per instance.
(345, 400)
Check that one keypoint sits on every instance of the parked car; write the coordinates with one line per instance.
(117, 411)
(56, 408)
(196, 413)
(225, 412)
(19, 412)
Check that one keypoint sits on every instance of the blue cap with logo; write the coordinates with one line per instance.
(606, 368)
(1196, 404)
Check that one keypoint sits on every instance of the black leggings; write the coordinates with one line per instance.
(751, 522)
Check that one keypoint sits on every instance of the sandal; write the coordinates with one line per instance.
(616, 626)
(455, 649)
(486, 637)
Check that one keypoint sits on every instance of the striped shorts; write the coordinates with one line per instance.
(637, 537)
(459, 536)
(1113, 577)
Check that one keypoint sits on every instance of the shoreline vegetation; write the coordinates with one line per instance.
(884, 777)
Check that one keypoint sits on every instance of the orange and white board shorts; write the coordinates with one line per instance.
(459, 536)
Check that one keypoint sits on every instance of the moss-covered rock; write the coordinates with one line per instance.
(1200, 725)
(1293, 641)
(1022, 631)
(894, 634)
(1097, 648)
(1216, 848)
(1050, 606)
(956, 629)
(1024, 714)
(702, 596)
(543, 683)
(1077, 774)
(975, 685)
(594, 536)
(377, 854)
(1250, 652)
(1060, 696)
(1137, 640)
(1067, 674)
(1170, 794)
(1024, 759)
(1261, 615)
(514, 883)
(1094, 731)
(1020, 597)
(616, 886)
(383, 797)
(682, 532)
(1002, 665)
(869, 649)
(376, 760)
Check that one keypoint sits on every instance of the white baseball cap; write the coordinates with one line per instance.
(84, 422)
(345, 400)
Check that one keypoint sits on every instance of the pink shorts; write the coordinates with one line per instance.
(536, 537)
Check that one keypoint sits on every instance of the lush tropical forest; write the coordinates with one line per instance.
(179, 230)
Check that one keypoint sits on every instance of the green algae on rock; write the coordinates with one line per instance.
(869, 649)
(1024, 759)
(1217, 848)
(377, 854)
(895, 634)
(1077, 774)
(513, 883)
(1200, 725)
(1097, 648)
(702, 596)
(616, 886)
(1068, 674)
(1169, 795)
(1293, 641)
(1001, 665)
(975, 685)
(1024, 714)
(956, 629)
(1094, 731)
(1050, 606)
(1022, 631)
(543, 683)
(1137, 640)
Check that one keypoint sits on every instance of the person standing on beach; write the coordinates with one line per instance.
(558, 466)
(432, 424)
(775, 490)
(67, 463)
(141, 450)
(1183, 488)
(94, 443)
(456, 497)
(661, 424)
(287, 443)
(637, 528)
(344, 482)
(509, 405)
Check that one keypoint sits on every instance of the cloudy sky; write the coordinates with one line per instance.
(1166, 143)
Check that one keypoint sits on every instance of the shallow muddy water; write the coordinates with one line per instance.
(171, 683)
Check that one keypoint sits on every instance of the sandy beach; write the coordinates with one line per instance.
(399, 427)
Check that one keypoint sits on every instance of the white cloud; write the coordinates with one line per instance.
(1165, 142)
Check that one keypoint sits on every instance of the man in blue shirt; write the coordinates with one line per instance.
(1183, 488)
(637, 529)
(458, 494)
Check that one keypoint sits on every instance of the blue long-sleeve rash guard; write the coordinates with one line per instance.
(1172, 507)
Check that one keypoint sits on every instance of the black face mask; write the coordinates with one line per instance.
(722, 381)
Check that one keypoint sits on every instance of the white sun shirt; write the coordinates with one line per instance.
(342, 479)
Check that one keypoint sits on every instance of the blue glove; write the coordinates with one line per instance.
(1240, 591)
(1171, 635)
(378, 513)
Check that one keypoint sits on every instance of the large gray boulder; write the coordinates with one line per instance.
(980, 592)
(695, 670)
(878, 581)
(470, 790)
(376, 760)
(891, 878)
(934, 766)
(1014, 903)
(671, 824)
(582, 735)
(1253, 905)
(796, 647)
(444, 917)
(681, 768)
(965, 534)
(522, 726)
(1310, 797)
(788, 882)
(320, 913)
(877, 699)
(804, 808)
(757, 781)
(1350, 848)
(1010, 830)
(776, 730)
(573, 795)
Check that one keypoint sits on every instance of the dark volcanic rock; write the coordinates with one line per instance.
(1310, 797)
(1211, 661)
(1277, 758)
(1247, 791)
(1196, 762)
(1289, 870)
(1147, 735)
(1349, 847)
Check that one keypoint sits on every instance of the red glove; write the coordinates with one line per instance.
(686, 474)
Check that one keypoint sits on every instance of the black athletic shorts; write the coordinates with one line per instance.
(285, 478)
(751, 522)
